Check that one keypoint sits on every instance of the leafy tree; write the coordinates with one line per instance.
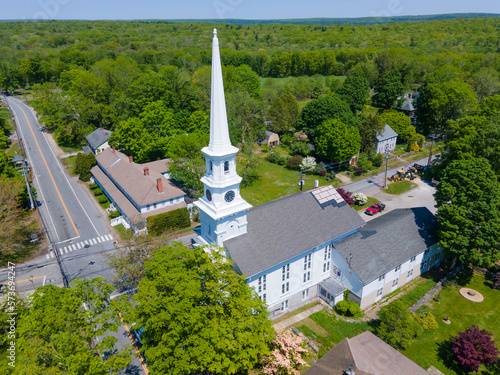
(198, 314)
(486, 83)
(359, 198)
(354, 91)
(401, 124)
(58, 334)
(300, 148)
(440, 102)
(283, 113)
(286, 355)
(308, 164)
(346, 196)
(133, 139)
(389, 89)
(474, 347)
(336, 141)
(83, 165)
(246, 113)
(468, 202)
(371, 126)
(317, 111)
(397, 326)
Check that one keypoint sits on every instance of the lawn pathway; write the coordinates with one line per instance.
(297, 318)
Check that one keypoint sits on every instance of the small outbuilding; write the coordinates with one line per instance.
(387, 138)
(98, 140)
(271, 139)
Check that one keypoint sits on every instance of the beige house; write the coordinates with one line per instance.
(136, 190)
(271, 139)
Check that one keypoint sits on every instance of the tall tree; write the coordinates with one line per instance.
(397, 326)
(58, 333)
(468, 202)
(354, 91)
(319, 110)
(371, 126)
(401, 124)
(336, 141)
(282, 113)
(389, 88)
(198, 314)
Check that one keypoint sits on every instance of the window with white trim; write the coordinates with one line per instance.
(328, 252)
(412, 259)
(381, 278)
(326, 266)
(410, 273)
(285, 272)
(379, 292)
(337, 271)
(284, 305)
(262, 283)
(397, 268)
(307, 276)
(305, 294)
(307, 262)
(395, 282)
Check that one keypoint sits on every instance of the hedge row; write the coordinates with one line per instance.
(169, 220)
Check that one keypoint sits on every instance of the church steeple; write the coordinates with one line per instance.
(222, 209)
(219, 132)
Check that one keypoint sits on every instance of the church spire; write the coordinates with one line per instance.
(219, 132)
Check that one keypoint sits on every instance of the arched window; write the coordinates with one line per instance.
(226, 167)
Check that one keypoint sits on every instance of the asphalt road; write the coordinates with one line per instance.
(71, 219)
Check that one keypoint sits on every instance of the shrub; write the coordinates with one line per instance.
(397, 326)
(359, 170)
(427, 321)
(93, 186)
(114, 214)
(320, 167)
(179, 218)
(349, 309)
(294, 162)
(276, 158)
(308, 164)
(377, 160)
(474, 347)
(102, 199)
(286, 355)
(496, 281)
(97, 192)
(300, 148)
(286, 139)
(364, 162)
(346, 195)
(359, 199)
(322, 173)
(413, 147)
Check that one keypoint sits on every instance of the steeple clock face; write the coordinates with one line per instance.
(209, 195)
(229, 196)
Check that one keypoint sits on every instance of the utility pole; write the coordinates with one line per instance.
(433, 136)
(386, 156)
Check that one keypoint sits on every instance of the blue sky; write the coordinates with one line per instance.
(246, 9)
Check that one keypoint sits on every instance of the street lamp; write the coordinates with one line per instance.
(386, 156)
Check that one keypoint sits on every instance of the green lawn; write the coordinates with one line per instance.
(70, 163)
(14, 147)
(400, 187)
(9, 124)
(125, 234)
(368, 203)
(429, 350)
(276, 181)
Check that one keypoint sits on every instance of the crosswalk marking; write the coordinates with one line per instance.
(80, 245)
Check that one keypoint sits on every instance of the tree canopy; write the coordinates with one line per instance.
(336, 141)
(198, 314)
(468, 202)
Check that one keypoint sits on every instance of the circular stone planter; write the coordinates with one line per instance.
(471, 295)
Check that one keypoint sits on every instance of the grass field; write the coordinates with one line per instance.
(5, 114)
(276, 181)
(70, 163)
(400, 187)
(430, 349)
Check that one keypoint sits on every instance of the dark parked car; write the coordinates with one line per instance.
(374, 208)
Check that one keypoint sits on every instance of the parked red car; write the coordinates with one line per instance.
(374, 208)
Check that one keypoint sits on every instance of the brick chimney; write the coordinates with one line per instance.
(159, 185)
(146, 171)
(114, 149)
(130, 159)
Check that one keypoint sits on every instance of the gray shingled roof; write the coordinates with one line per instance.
(388, 241)
(368, 355)
(407, 105)
(387, 134)
(286, 227)
(98, 137)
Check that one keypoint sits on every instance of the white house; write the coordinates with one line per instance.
(387, 140)
(307, 244)
(98, 140)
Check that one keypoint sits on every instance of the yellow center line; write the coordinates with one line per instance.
(34, 278)
(135, 346)
(50, 174)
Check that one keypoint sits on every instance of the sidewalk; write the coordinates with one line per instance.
(297, 318)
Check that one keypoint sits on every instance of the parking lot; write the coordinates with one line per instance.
(421, 196)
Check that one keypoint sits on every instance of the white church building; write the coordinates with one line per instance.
(309, 244)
